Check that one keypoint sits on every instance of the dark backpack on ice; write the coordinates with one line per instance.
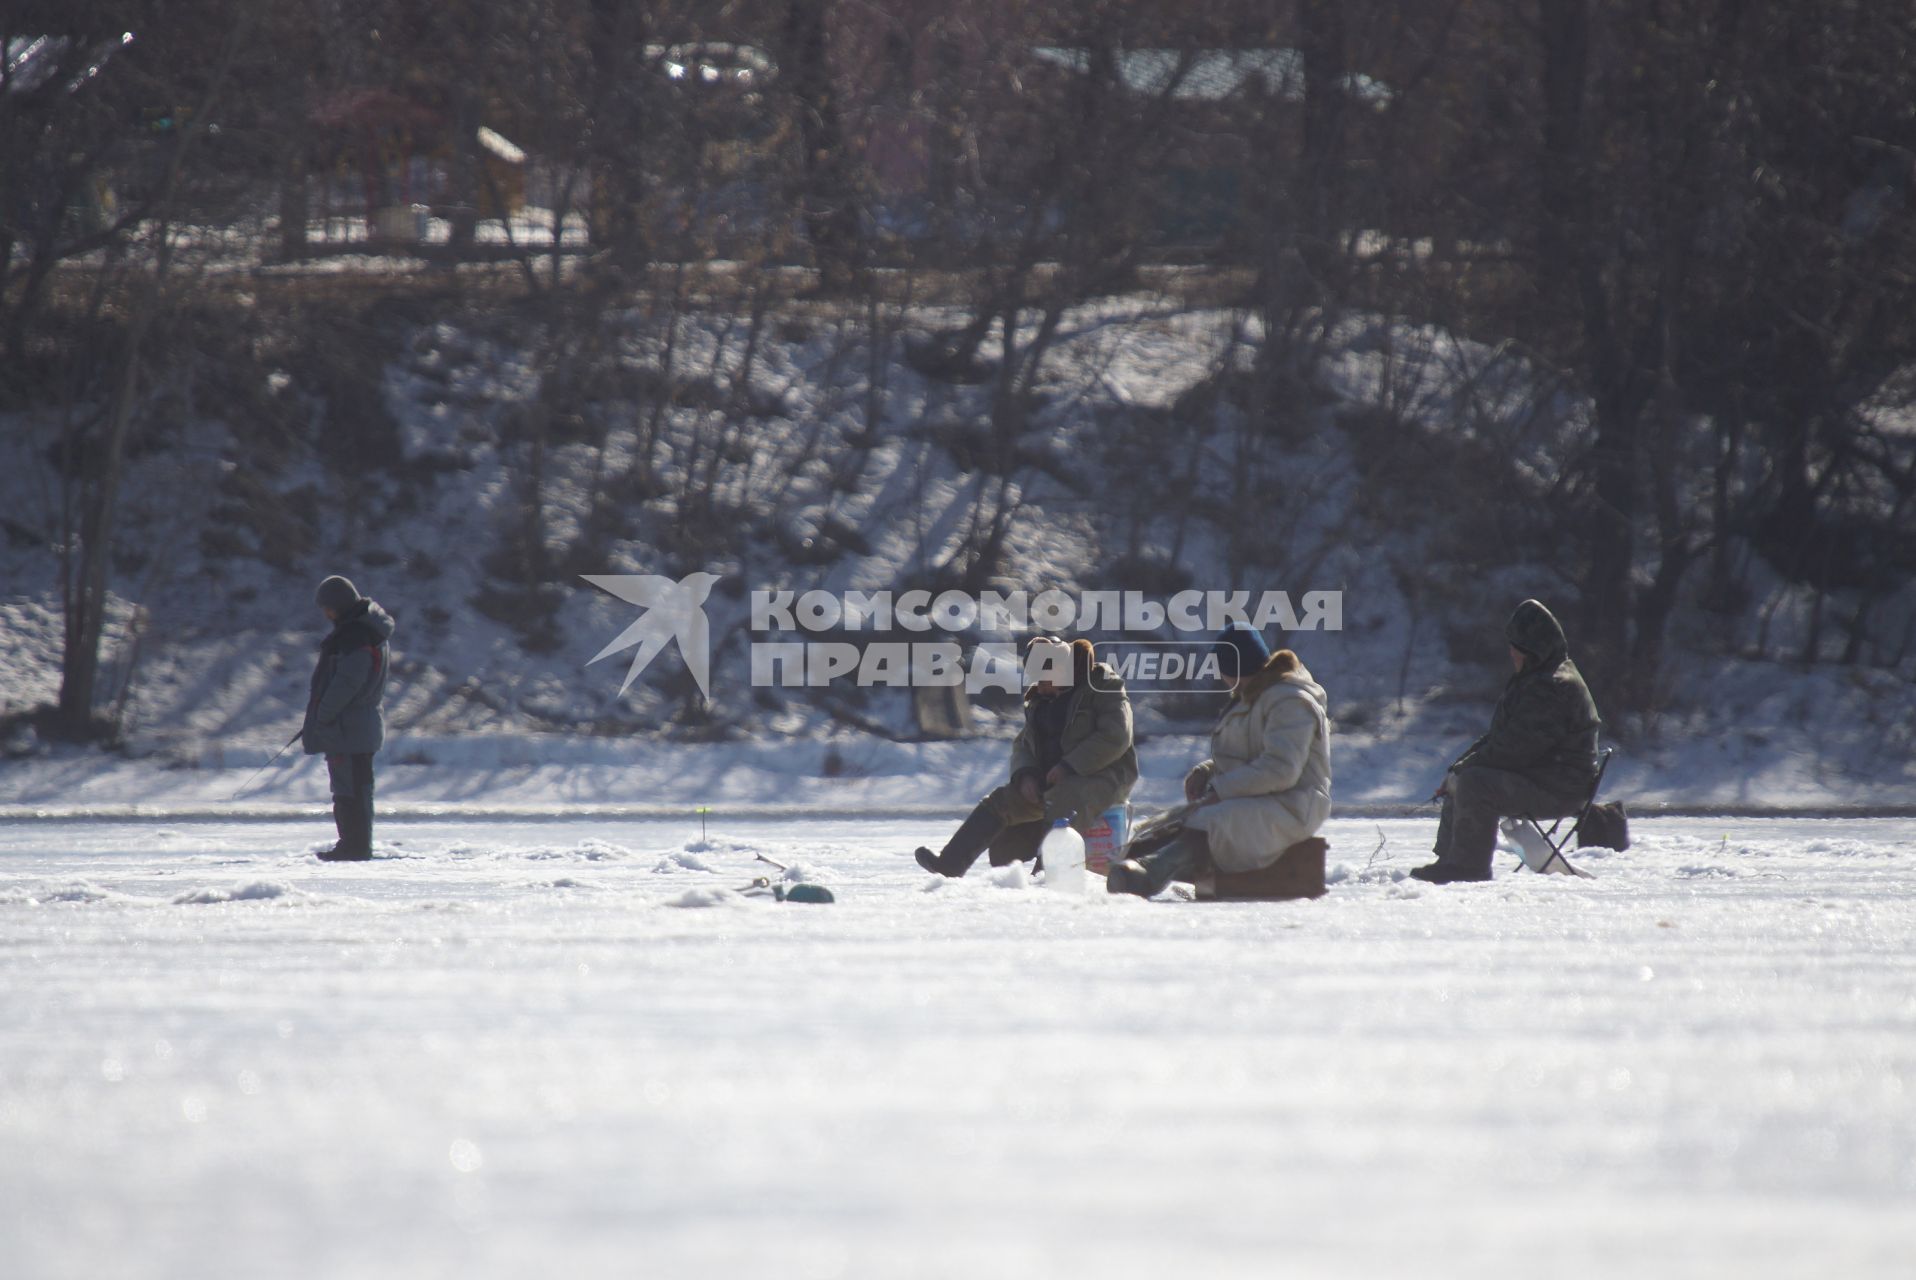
(1604, 826)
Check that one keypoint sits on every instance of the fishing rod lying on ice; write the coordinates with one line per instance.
(782, 892)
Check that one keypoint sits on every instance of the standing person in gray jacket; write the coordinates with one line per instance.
(344, 720)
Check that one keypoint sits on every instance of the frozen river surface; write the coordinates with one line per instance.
(551, 1048)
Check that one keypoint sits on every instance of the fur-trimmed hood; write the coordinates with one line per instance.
(1282, 665)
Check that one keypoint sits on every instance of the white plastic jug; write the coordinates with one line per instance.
(1063, 854)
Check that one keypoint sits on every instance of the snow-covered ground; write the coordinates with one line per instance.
(541, 1048)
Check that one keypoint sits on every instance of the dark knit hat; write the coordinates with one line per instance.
(337, 594)
(1241, 650)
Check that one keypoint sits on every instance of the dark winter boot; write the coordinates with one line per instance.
(1441, 872)
(353, 820)
(972, 838)
(1150, 875)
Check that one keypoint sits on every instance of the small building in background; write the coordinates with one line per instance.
(386, 159)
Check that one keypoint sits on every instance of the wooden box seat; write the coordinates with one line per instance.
(1297, 873)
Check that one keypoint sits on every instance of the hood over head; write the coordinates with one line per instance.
(1536, 631)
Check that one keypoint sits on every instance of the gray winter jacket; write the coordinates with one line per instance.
(343, 713)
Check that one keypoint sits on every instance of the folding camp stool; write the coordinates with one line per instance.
(1558, 843)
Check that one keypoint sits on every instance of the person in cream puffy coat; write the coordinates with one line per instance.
(1267, 783)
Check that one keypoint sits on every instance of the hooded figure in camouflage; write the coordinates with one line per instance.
(1538, 760)
(1073, 759)
(344, 719)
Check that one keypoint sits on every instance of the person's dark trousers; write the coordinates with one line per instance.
(973, 837)
(986, 831)
(1018, 843)
(1150, 874)
(352, 783)
(1012, 825)
(1476, 798)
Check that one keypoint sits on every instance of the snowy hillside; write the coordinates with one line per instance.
(822, 458)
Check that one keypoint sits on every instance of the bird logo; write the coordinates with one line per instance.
(673, 611)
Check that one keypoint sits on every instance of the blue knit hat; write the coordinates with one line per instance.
(1246, 648)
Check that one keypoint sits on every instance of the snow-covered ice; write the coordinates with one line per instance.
(496, 1051)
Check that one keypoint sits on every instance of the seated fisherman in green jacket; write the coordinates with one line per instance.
(1538, 760)
(1073, 758)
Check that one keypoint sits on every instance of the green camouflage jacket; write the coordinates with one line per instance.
(1545, 726)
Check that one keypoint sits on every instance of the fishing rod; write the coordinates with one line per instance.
(269, 764)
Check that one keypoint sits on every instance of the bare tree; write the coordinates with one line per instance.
(87, 548)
